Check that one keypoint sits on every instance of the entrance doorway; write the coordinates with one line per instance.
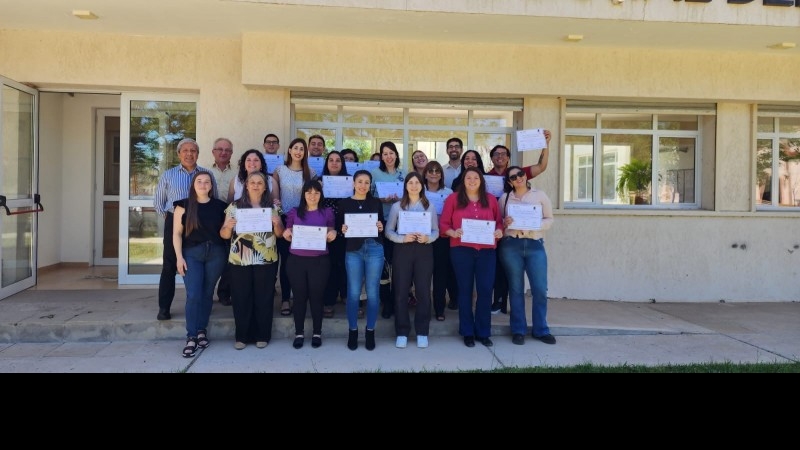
(107, 160)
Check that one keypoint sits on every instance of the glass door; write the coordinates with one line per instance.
(151, 125)
(19, 199)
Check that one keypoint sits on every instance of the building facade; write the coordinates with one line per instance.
(701, 93)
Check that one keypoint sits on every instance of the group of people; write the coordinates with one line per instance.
(418, 232)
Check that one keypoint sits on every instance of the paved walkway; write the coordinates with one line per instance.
(116, 331)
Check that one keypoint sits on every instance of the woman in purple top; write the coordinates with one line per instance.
(308, 270)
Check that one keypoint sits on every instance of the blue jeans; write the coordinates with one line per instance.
(204, 264)
(364, 266)
(521, 257)
(474, 267)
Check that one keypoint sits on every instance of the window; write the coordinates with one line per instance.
(647, 154)
(362, 123)
(778, 152)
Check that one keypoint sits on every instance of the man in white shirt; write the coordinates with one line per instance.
(453, 168)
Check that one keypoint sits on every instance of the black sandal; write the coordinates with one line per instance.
(202, 339)
(191, 347)
(286, 309)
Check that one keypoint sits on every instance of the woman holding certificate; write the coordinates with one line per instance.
(252, 226)
(360, 218)
(309, 229)
(444, 279)
(337, 281)
(388, 188)
(471, 219)
(527, 214)
(412, 226)
(290, 179)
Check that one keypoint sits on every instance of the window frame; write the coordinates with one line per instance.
(775, 136)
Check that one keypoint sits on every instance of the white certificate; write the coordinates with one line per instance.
(306, 237)
(414, 222)
(387, 188)
(526, 216)
(361, 225)
(352, 167)
(494, 185)
(316, 163)
(371, 165)
(531, 140)
(337, 186)
(253, 220)
(478, 231)
(273, 161)
(437, 200)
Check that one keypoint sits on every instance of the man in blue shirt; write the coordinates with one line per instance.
(172, 186)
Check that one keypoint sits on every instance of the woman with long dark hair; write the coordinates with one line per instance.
(473, 263)
(200, 253)
(337, 281)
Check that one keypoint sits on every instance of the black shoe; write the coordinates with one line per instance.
(352, 339)
(469, 341)
(225, 301)
(547, 339)
(163, 314)
(370, 338)
(499, 307)
(518, 339)
(298, 342)
(486, 342)
(316, 341)
(452, 305)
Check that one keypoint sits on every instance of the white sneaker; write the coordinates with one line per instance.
(401, 342)
(422, 341)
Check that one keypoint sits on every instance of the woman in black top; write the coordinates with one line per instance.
(363, 258)
(201, 255)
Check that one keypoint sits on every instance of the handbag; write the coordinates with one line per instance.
(386, 275)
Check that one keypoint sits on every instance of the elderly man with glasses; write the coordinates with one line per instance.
(223, 173)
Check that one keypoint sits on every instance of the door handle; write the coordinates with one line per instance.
(36, 200)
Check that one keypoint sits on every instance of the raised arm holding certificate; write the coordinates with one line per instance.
(337, 186)
(409, 222)
(306, 237)
(494, 185)
(253, 220)
(478, 231)
(533, 139)
(361, 225)
(387, 188)
(526, 216)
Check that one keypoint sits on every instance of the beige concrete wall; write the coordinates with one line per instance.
(735, 144)
(355, 65)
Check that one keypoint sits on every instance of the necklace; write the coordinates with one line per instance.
(360, 203)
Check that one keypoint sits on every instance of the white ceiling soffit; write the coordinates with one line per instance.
(632, 24)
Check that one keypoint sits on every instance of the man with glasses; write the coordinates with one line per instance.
(501, 159)
(453, 167)
(271, 144)
(223, 174)
(173, 185)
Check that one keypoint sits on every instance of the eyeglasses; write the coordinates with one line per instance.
(272, 142)
(516, 175)
(434, 171)
(224, 150)
(453, 146)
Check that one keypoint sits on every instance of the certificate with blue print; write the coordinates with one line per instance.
(316, 163)
(253, 220)
(494, 185)
(409, 222)
(337, 186)
(361, 225)
(526, 216)
(305, 237)
(273, 161)
(388, 188)
(437, 200)
(478, 231)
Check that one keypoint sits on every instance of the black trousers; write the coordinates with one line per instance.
(500, 281)
(253, 292)
(169, 267)
(337, 281)
(444, 278)
(412, 263)
(224, 285)
(309, 275)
